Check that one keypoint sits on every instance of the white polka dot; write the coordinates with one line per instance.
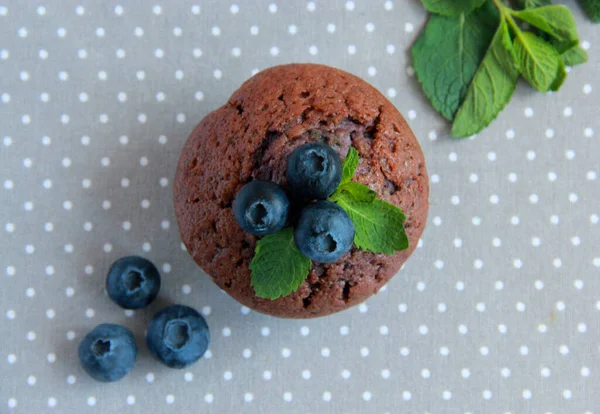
(567, 394)
(345, 374)
(285, 352)
(170, 399)
(502, 329)
(217, 73)
(520, 306)
(30, 292)
(460, 286)
(423, 329)
(292, 29)
(425, 373)
(43, 54)
(462, 329)
(254, 30)
(31, 336)
(588, 132)
(216, 31)
(517, 263)
(529, 112)
(344, 330)
(527, 394)
(41, 10)
(523, 350)
(150, 377)
(563, 349)
(91, 401)
(287, 396)
(370, 27)
(69, 291)
(568, 111)
(367, 396)
(236, 51)
(12, 402)
(310, 6)
(11, 314)
(51, 357)
(446, 395)
(591, 175)
(12, 358)
(487, 395)
(573, 198)
(581, 327)
(585, 372)
(444, 351)
(267, 375)
(313, 50)
(325, 352)
(349, 5)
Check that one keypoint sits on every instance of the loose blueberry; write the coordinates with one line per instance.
(261, 207)
(133, 282)
(178, 336)
(314, 170)
(324, 232)
(108, 352)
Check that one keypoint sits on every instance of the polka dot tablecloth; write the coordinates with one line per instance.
(498, 311)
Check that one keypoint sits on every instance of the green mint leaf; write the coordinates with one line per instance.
(561, 76)
(491, 89)
(448, 52)
(575, 56)
(529, 4)
(538, 61)
(557, 21)
(278, 268)
(591, 8)
(452, 7)
(379, 226)
(349, 166)
(359, 191)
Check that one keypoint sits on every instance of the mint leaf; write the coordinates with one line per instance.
(575, 56)
(278, 268)
(561, 76)
(591, 8)
(359, 191)
(452, 7)
(557, 21)
(349, 166)
(379, 226)
(447, 54)
(538, 61)
(491, 89)
(529, 4)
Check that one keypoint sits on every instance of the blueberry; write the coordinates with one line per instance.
(177, 336)
(108, 352)
(261, 207)
(314, 170)
(133, 282)
(324, 232)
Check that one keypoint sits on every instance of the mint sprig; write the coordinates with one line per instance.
(378, 225)
(278, 268)
(471, 53)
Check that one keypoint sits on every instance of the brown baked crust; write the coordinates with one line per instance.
(251, 136)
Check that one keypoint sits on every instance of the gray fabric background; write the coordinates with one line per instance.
(497, 311)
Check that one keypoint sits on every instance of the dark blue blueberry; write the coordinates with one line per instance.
(324, 232)
(108, 352)
(178, 336)
(261, 207)
(133, 282)
(314, 170)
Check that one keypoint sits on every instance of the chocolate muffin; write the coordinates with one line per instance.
(250, 138)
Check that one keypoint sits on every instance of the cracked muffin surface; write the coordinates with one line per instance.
(251, 136)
